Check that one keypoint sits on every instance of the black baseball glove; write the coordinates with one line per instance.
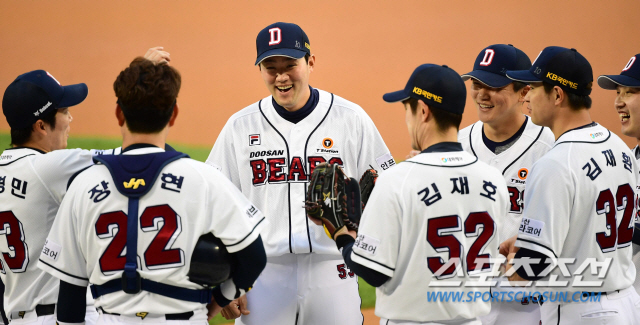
(367, 182)
(333, 199)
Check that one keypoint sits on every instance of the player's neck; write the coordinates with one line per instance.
(434, 136)
(499, 131)
(35, 144)
(569, 119)
(304, 98)
(156, 139)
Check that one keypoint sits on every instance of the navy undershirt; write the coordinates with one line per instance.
(444, 147)
(492, 145)
(299, 115)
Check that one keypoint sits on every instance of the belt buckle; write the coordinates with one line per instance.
(131, 284)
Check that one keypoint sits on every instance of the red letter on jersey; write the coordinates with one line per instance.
(276, 36)
(259, 168)
(313, 162)
(112, 225)
(296, 170)
(11, 227)
(158, 255)
(276, 174)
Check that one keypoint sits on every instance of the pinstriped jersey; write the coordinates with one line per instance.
(87, 242)
(514, 164)
(579, 204)
(636, 247)
(32, 185)
(270, 159)
(422, 215)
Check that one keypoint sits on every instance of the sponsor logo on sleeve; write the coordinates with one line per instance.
(367, 244)
(385, 161)
(531, 227)
(51, 250)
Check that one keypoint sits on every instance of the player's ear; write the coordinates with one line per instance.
(523, 92)
(558, 95)
(119, 115)
(174, 115)
(424, 109)
(312, 62)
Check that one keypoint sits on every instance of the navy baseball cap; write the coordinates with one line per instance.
(35, 94)
(493, 62)
(437, 85)
(282, 39)
(630, 76)
(559, 66)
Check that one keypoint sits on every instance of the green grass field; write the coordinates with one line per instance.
(367, 292)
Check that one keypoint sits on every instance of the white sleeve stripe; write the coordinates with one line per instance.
(545, 248)
(373, 265)
(249, 234)
(63, 272)
(370, 260)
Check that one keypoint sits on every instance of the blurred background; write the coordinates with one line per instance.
(363, 49)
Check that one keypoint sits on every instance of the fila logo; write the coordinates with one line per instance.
(134, 183)
(276, 36)
(488, 57)
(48, 74)
(254, 140)
(142, 315)
(629, 64)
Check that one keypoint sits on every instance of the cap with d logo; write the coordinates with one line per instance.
(282, 39)
(559, 66)
(629, 77)
(438, 86)
(493, 62)
(34, 94)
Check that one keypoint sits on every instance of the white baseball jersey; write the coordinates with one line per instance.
(636, 247)
(579, 204)
(32, 185)
(188, 199)
(270, 159)
(423, 213)
(514, 164)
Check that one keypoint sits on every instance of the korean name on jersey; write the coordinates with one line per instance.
(257, 147)
(579, 204)
(188, 199)
(423, 213)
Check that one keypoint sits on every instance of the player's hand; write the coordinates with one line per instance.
(213, 309)
(236, 308)
(345, 231)
(157, 55)
(412, 154)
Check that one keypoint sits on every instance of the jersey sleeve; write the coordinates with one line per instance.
(378, 241)
(548, 204)
(223, 155)
(61, 255)
(373, 151)
(234, 219)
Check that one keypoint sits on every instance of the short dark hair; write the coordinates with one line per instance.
(22, 136)
(306, 59)
(517, 85)
(444, 119)
(146, 94)
(576, 102)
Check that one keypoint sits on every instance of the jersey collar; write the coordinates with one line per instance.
(590, 133)
(444, 147)
(141, 149)
(12, 154)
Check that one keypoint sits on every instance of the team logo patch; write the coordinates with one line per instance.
(251, 211)
(327, 143)
(142, 315)
(254, 139)
(523, 173)
(134, 182)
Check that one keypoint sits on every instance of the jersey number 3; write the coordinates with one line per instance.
(17, 258)
(619, 236)
(157, 255)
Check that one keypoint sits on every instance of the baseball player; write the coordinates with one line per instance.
(268, 150)
(32, 185)
(627, 104)
(129, 225)
(440, 206)
(506, 139)
(579, 197)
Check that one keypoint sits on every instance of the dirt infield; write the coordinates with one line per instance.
(363, 49)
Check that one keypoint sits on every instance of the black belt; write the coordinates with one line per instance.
(180, 316)
(41, 310)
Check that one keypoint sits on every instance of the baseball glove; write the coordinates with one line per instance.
(333, 199)
(367, 182)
